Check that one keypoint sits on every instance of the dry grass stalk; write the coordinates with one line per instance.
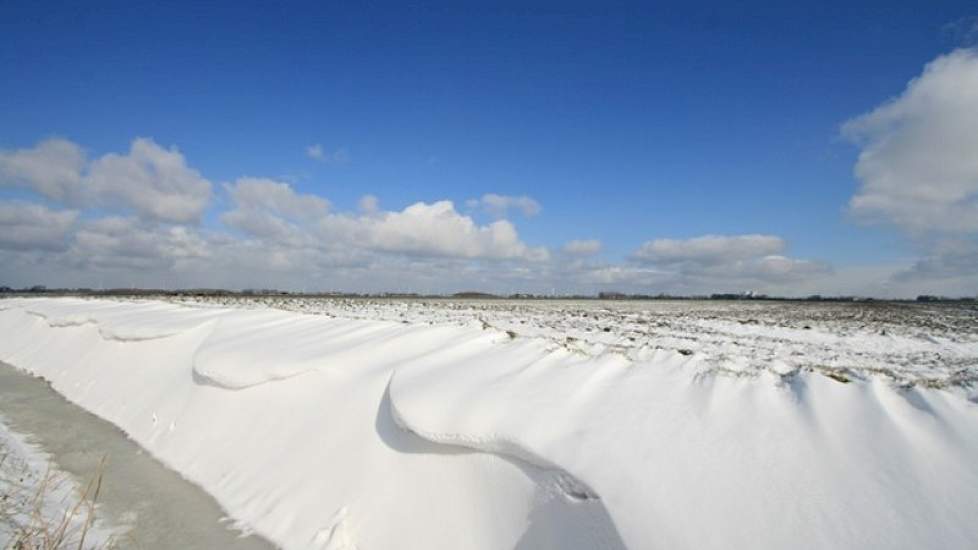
(25, 513)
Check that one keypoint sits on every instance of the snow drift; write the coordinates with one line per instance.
(328, 432)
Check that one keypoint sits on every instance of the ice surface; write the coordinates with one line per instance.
(384, 424)
(37, 495)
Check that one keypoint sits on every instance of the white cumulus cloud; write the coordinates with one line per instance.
(52, 168)
(27, 226)
(918, 160)
(918, 171)
(272, 210)
(130, 243)
(154, 181)
(151, 180)
(439, 229)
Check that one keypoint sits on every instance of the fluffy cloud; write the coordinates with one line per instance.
(918, 171)
(153, 181)
(317, 152)
(118, 242)
(52, 168)
(275, 197)
(917, 166)
(500, 205)
(272, 210)
(438, 229)
(733, 262)
(26, 226)
(585, 247)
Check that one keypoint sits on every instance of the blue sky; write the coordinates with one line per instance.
(624, 124)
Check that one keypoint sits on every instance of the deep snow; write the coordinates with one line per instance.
(379, 425)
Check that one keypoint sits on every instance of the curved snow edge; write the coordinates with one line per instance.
(570, 485)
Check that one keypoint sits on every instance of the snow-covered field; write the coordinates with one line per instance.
(377, 424)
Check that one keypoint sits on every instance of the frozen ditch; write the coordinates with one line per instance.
(141, 503)
(380, 431)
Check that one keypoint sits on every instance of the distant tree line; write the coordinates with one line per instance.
(468, 295)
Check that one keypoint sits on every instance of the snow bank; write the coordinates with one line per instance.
(320, 431)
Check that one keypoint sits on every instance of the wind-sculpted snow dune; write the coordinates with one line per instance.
(383, 432)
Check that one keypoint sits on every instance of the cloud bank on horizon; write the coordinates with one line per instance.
(138, 217)
(147, 217)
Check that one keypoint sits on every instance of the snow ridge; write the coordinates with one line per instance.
(104, 332)
(569, 486)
